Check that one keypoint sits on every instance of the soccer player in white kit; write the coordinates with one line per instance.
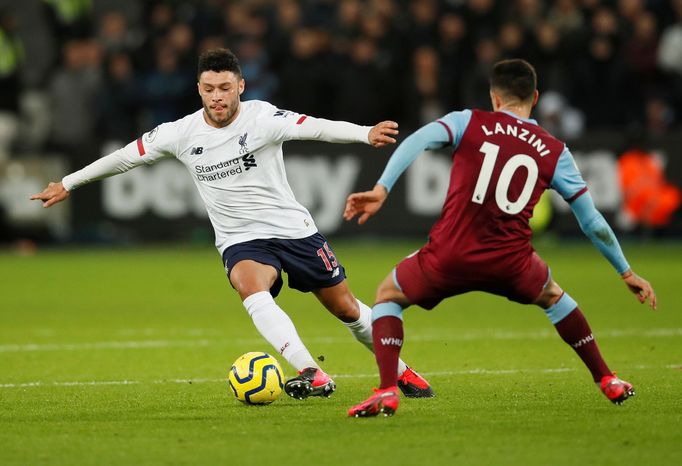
(233, 150)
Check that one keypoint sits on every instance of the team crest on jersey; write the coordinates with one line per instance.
(243, 148)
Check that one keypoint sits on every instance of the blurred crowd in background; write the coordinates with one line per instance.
(114, 69)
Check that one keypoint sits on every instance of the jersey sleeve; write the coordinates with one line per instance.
(159, 143)
(567, 179)
(284, 125)
(119, 161)
(595, 227)
(446, 131)
(455, 123)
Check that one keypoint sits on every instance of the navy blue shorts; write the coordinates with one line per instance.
(309, 262)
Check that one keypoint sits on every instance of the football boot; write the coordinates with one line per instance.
(615, 389)
(310, 381)
(414, 385)
(384, 401)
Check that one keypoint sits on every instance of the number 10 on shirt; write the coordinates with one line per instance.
(490, 152)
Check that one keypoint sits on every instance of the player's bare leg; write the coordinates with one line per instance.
(573, 328)
(357, 316)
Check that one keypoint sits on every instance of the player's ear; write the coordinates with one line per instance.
(242, 85)
(536, 96)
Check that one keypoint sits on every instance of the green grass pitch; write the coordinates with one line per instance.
(120, 357)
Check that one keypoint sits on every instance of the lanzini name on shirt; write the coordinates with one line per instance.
(519, 133)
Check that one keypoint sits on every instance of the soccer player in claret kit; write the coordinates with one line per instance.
(233, 151)
(502, 163)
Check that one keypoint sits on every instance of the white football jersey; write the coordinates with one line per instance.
(238, 170)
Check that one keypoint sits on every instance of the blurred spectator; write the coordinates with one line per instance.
(550, 61)
(641, 49)
(558, 117)
(454, 49)
(659, 115)
(475, 85)
(423, 17)
(262, 83)
(73, 93)
(363, 87)
(11, 58)
(168, 90)
(670, 48)
(482, 17)
(512, 42)
(70, 19)
(119, 100)
(180, 39)
(649, 199)
(306, 76)
(528, 13)
(115, 35)
(424, 101)
(599, 83)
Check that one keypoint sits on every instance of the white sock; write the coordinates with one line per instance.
(278, 329)
(362, 331)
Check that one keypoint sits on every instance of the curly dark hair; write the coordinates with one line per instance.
(219, 60)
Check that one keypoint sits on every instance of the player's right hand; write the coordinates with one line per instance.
(55, 192)
(640, 287)
(383, 133)
(365, 204)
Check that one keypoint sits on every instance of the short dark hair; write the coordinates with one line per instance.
(514, 78)
(219, 60)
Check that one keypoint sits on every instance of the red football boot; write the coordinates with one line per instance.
(414, 385)
(615, 389)
(384, 401)
(311, 381)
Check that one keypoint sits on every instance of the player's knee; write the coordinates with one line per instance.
(550, 295)
(387, 291)
(246, 286)
(248, 278)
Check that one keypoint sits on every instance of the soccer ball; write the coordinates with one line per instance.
(256, 378)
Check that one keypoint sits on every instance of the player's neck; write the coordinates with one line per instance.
(522, 111)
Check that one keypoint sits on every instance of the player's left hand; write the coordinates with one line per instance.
(640, 287)
(365, 204)
(380, 134)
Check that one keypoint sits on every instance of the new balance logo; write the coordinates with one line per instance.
(335, 273)
(583, 341)
(197, 150)
(249, 161)
(392, 341)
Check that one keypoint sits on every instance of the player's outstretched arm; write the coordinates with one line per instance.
(365, 204)
(640, 287)
(596, 228)
(383, 133)
(54, 193)
(119, 161)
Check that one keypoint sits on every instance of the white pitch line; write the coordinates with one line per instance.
(478, 371)
(492, 334)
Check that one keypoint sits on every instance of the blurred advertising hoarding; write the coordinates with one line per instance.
(160, 202)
